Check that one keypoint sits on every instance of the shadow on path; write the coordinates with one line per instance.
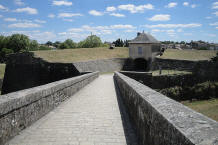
(129, 130)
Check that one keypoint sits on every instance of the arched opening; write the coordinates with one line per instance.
(140, 64)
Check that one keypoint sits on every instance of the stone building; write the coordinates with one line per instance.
(143, 49)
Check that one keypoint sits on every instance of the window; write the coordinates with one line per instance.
(139, 51)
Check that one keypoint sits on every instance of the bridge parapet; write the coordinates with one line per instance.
(160, 120)
(22, 108)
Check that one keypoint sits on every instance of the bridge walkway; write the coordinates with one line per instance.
(93, 116)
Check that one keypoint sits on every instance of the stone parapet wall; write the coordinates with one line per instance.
(175, 64)
(160, 120)
(143, 77)
(20, 109)
(1, 81)
(102, 65)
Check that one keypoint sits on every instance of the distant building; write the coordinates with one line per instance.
(142, 50)
(214, 46)
(144, 46)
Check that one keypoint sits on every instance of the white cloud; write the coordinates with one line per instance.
(28, 10)
(216, 13)
(24, 25)
(2, 8)
(136, 9)
(215, 5)
(10, 19)
(1, 16)
(130, 30)
(51, 15)
(185, 3)
(121, 26)
(211, 35)
(76, 30)
(101, 30)
(96, 13)
(187, 34)
(68, 20)
(68, 15)
(117, 15)
(208, 17)
(160, 17)
(110, 9)
(214, 24)
(19, 2)
(179, 30)
(193, 6)
(171, 5)
(191, 25)
(216, 27)
(170, 32)
(62, 3)
(39, 21)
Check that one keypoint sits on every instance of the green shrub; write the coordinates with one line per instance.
(201, 91)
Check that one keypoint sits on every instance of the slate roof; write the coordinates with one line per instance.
(144, 38)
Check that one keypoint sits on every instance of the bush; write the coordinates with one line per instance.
(43, 47)
(201, 91)
(18, 42)
(90, 42)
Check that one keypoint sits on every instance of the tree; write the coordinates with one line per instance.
(118, 43)
(90, 42)
(18, 42)
(56, 44)
(49, 43)
(70, 43)
(63, 46)
(34, 45)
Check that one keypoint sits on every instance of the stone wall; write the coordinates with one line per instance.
(1, 81)
(143, 77)
(23, 71)
(175, 64)
(22, 108)
(102, 65)
(160, 120)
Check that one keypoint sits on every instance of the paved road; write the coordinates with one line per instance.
(90, 117)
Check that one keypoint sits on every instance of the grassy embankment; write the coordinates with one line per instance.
(189, 54)
(82, 54)
(206, 107)
(2, 70)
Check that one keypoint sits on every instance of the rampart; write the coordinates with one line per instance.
(160, 120)
(102, 65)
(22, 108)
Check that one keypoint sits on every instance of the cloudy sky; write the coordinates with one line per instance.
(54, 20)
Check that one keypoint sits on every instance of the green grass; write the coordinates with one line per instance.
(2, 70)
(206, 107)
(82, 54)
(169, 72)
(189, 54)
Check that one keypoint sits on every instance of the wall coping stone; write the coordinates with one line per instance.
(194, 126)
(16, 100)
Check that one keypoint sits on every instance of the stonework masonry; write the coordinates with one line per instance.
(103, 65)
(160, 120)
(22, 108)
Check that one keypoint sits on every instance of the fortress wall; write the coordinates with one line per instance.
(20, 109)
(23, 71)
(175, 64)
(160, 120)
(102, 65)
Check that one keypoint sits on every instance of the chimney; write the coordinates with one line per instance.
(138, 33)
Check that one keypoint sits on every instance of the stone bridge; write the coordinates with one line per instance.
(100, 110)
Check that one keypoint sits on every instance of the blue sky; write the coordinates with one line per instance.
(57, 20)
